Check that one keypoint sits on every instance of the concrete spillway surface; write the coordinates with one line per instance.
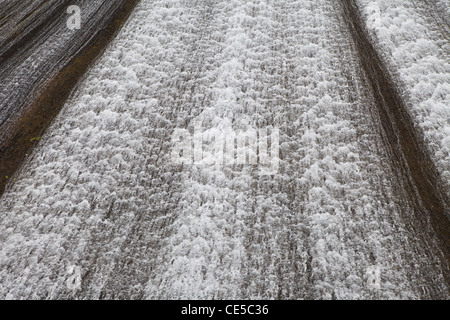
(100, 209)
(41, 59)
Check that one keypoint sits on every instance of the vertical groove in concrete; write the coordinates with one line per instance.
(405, 143)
